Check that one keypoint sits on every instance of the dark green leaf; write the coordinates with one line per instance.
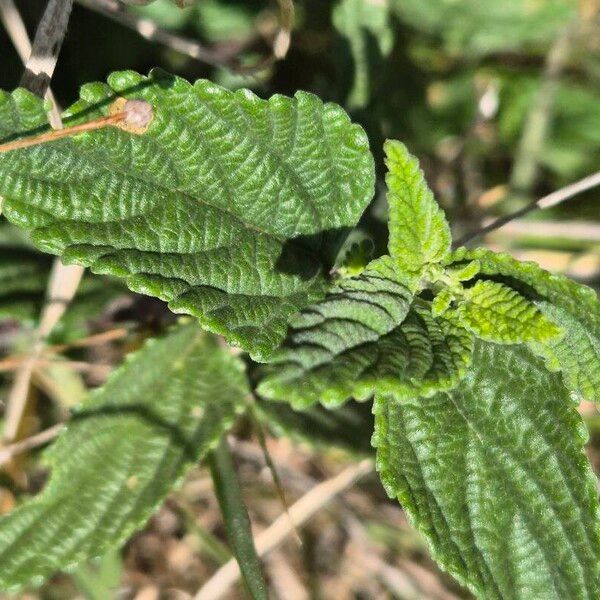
(229, 207)
(122, 452)
(494, 476)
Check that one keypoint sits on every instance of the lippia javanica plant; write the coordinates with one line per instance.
(234, 210)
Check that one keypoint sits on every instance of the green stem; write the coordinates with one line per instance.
(237, 523)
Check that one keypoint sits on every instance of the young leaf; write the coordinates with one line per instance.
(236, 519)
(229, 207)
(419, 232)
(496, 313)
(351, 345)
(577, 353)
(334, 348)
(493, 474)
(574, 307)
(122, 452)
(356, 258)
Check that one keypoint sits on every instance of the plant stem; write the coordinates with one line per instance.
(237, 523)
(301, 511)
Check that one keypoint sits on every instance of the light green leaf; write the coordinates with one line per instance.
(122, 452)
(496, 313)
(419, 232)
(335, 349)
(493, 474)
(229, 207)
(577, 353)
(574, 307)
(366, 25)
(356, 258)
(466, 272)
(442, 301)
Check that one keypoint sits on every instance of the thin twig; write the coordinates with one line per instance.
(300, 512)
(63, 283)
(39, 439)
(148, 30)
(13, 23)
(576, 233)
(12, 362)
(46, 46)
(553, 199)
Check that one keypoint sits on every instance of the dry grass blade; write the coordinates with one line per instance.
(39, 439)
(63, 280)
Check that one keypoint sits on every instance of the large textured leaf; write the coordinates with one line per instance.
(122, 452)
(366, 25)
(574, 307)
(229, 207)
(419, 232)
(494, 476)
(342, 346)
(497, 313)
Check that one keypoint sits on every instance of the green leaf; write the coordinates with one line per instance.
(121, 454)
(496, 313)
(335, 349)
(237, 523)
(365, 24)
(574, 307)
(493, 474)
(451, 349)
(419, 232)
(442, 301)
(356, 258)
(363, 340)
(577, 353)
(229, 207)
